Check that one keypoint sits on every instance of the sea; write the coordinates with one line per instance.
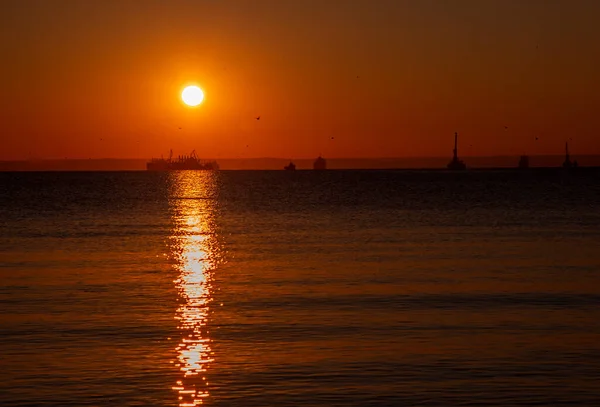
(300, 288)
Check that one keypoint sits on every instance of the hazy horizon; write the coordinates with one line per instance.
(277, 163)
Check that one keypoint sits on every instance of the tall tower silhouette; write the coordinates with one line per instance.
(456, 163)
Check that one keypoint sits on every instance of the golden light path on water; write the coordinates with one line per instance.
(195, 255)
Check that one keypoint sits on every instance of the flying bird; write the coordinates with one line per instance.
(258, 118)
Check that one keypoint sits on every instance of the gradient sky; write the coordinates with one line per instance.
(385, 78)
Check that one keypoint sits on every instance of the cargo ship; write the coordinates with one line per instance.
(181, 162)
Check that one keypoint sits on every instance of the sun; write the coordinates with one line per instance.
(192, 96)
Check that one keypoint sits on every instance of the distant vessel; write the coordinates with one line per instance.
(182, 162)
(290, 167)
(568, 163)
(320, 164)
(456, 164)
(524, 162)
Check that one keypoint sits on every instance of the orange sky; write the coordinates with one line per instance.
(386, 78)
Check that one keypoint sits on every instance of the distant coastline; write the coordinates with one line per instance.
(116, 164)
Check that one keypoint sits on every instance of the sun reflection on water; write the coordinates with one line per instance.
(195, 255)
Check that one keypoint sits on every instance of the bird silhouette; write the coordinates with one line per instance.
(505, 127)
(332, 138)
(258, 118)
(536, 138)
(180, 128)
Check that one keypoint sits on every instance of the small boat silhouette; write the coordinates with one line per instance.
(524, 162)
(320, 164)
(568, 163)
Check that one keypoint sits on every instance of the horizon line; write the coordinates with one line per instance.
(304, 158)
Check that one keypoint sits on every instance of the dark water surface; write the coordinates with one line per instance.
(336, 288)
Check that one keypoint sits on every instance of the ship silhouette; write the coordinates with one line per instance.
(290, 167)
(320, 164)
(524, 162)
(568, 163)
(182, 162)
(456, 163)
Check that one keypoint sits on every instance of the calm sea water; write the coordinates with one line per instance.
(336, 288)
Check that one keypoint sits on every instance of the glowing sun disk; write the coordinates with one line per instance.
(192, 96)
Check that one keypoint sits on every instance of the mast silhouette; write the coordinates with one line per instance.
(568, 163)
(455, 146)
(456, 163)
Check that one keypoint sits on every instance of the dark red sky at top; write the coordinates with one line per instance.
(93, 79)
